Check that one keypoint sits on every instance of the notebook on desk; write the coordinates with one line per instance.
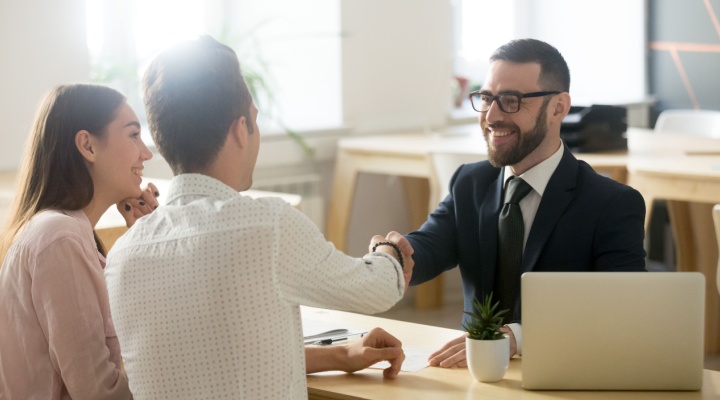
(613, 330)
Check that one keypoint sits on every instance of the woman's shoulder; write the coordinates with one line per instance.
(49, 226)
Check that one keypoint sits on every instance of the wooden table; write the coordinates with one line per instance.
(691, 183)
(409, 157)
(442, 383)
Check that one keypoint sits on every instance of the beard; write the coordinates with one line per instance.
(527, 142)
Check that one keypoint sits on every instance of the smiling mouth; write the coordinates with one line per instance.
(137, 171)
(501, 133)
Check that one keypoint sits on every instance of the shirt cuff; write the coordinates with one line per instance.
(517, 331)
(396, 264)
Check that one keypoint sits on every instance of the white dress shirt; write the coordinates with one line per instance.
(205, 293)
(537, 177)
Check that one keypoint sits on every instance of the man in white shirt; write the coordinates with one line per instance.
(205, 291)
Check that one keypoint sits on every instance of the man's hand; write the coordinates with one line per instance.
(453, 353)
(133, 208)
(377, 345)
(450, 355)
(404, 246)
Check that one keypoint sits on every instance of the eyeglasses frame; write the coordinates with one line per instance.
(520, 97)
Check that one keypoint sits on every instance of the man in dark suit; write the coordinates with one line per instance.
(572, 218)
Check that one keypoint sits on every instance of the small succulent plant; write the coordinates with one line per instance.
(486, 320)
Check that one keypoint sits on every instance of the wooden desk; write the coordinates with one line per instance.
(692, 186)
(409, 156)
(441, 383)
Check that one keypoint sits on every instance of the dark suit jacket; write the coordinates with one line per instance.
(585, 222)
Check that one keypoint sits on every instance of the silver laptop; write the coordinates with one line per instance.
(612, 330)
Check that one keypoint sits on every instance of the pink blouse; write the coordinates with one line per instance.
(57, 339)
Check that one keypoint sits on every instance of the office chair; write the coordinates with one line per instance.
(445, 163)
(716, 218)
(691, 122)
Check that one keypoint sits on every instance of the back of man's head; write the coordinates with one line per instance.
(554, 72)
(193, 92)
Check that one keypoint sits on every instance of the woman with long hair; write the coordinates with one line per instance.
(57, 339)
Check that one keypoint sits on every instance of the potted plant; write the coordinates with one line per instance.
(487, 348)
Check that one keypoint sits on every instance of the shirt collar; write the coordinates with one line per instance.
(538, 176)
(198, 185)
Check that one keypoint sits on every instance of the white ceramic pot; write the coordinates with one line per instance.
(488, 359)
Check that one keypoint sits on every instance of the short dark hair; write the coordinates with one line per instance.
(554, 71)
(193, 92)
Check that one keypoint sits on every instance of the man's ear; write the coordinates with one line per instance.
(239, 131)
(84, 143)
(562, 105)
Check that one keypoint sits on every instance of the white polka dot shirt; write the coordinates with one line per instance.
(205, 293)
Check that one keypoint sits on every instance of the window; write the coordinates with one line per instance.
(603, 42)
(294, 46)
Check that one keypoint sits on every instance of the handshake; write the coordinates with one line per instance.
(398, 247)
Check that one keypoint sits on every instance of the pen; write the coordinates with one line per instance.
(333, 340)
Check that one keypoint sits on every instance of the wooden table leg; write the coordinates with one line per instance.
(697, 250)
(341, 201)
(417, 194)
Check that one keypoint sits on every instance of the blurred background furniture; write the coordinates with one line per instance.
(684, 170)
(445, 163)
(716, 218)
(689, 122)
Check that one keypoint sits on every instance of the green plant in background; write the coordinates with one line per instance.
(124, 75)
(485, 321)
(260, 88)
(258, 76)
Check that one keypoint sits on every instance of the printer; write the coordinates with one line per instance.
(595, 128)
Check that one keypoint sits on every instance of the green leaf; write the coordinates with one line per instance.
(485, 321)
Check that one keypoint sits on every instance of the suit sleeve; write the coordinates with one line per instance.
(620, 233)
(435, 244)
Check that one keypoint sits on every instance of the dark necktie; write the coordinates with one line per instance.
(511, 232)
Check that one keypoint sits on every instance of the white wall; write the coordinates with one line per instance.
(42, 44)
(397, 63)
(603, 42)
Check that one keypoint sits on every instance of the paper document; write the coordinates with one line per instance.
(415, 360)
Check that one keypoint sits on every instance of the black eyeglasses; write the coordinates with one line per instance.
(508, 102)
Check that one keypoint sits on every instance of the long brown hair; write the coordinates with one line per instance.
(53, 174)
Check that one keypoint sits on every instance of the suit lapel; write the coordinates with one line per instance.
(559, 192)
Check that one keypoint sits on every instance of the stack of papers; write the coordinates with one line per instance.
(316, 332)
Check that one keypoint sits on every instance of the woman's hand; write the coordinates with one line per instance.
(133, 208)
